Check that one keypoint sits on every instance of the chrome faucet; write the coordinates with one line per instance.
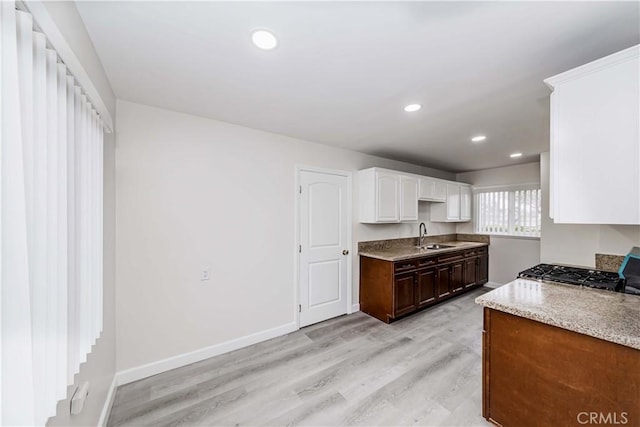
(422, 235)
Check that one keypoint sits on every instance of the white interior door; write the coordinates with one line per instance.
(324, 251)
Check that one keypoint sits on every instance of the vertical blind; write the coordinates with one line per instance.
(513, 212)
(50, 223)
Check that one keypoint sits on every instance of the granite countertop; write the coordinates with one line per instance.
(610, 316)
(409, 252)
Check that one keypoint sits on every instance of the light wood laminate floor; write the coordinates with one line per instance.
(351, 370)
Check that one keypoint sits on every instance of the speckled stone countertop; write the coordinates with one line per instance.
(610, 316)
(403, 253)
(609, 262)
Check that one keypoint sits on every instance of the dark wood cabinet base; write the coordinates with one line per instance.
(391, 290)
(541, 375)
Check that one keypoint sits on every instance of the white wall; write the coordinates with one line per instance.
(99, 369)
(193, 191)
(510, 255)
(528, 173)
(507, 255)
(577, 244)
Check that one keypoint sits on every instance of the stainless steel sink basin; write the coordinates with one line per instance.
(438, 246)
(434, 246)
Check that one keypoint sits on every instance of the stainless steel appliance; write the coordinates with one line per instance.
(630, 271)
(576, 276)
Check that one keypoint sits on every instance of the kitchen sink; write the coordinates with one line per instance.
(438, 246)
(435, 246)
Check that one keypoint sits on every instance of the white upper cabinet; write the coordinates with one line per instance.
(432, 190)
(388, 196)
(457, 207)
(595, 142)
(465, 203)
(408, 198)
(379, 195)
(453, 202)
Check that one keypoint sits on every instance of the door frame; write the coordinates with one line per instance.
(296, 280)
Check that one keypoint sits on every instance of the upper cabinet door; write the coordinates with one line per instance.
(595, 142)
(387, 197)
(465, 203)
(432, 190)
(426, 188)
(439, 191)
(457, 207)
(408, 198)
(453, 202)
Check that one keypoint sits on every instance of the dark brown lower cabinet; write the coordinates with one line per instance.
(483, 267)
(389, 290)
(427, 286)
(404, 294)
(443, 278)
(536, 374)
(456, 283)
(470, 272)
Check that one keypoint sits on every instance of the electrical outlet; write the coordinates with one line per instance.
(205, 273)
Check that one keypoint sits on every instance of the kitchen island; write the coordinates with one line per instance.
(557, 354)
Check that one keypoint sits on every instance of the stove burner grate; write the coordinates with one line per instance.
(575, 276)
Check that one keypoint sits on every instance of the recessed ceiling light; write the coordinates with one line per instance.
(514, 155)
(412, 107)
(264, 39)
(478, 138)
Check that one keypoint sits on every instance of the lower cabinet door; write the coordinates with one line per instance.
(442, 280)
(404, 298)
(457, 276)
(483, 269)
(426, 285)
(470, 272)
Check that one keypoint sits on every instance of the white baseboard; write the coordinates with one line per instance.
(493, 285)
(144, 371)
(106, 409)
(355, 308)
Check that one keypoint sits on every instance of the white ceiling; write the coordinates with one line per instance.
(343, 71)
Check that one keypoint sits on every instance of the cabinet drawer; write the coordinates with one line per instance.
(403, 266)
(426, 262)
(483, 250)
(451, 256)
(470, 253)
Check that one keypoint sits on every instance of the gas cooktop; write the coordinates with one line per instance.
(575, 276)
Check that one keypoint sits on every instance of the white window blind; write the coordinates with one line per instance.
(50, 223)
(510, 212)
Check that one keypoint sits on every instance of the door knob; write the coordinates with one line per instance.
(345, 252)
